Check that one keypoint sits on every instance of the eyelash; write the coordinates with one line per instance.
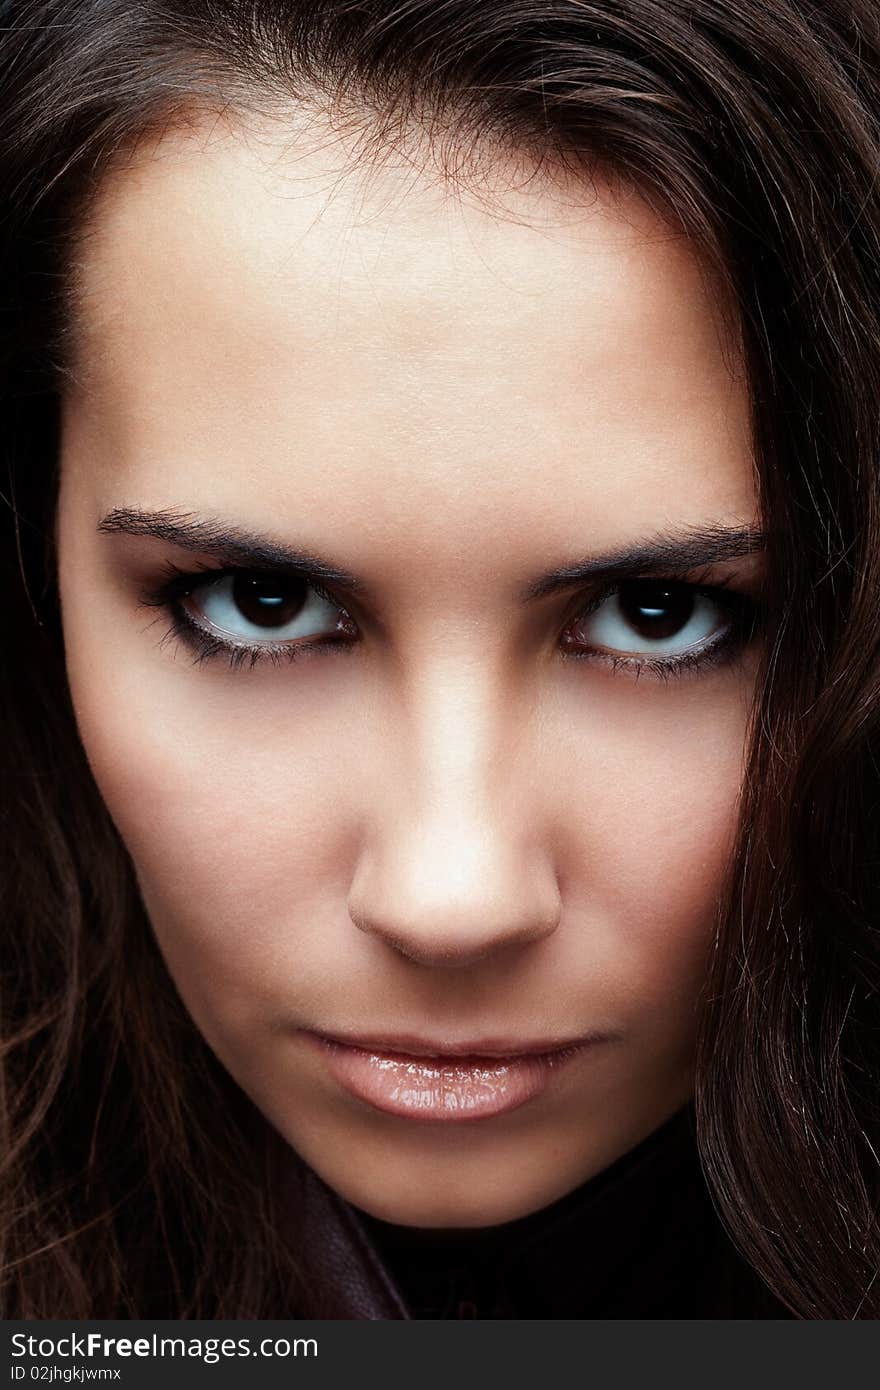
(744, 619)
(179, 584)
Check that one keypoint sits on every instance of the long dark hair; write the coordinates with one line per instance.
(129, 1185)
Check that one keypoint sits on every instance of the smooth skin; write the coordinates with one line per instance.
(448, 828)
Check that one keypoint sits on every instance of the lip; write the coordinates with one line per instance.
(449, 1082)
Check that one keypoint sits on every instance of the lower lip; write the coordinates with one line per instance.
(450, 1089)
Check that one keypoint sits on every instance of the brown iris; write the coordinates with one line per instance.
(656, 610)
(267, 600)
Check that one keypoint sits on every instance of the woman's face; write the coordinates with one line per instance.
(480, 812)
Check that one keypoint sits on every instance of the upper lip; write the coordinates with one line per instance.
(408, 1045)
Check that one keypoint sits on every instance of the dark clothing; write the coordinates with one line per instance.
(641, 1239)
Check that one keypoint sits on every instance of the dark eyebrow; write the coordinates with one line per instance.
(228, 545)
(671, 551)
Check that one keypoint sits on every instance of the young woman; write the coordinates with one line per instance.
(442, 550)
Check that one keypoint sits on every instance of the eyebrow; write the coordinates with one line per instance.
(228, 545)
(679, 550)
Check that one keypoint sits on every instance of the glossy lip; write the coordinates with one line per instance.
(446, 1082)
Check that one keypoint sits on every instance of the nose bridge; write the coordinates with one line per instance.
(452, 868)
(453, 738)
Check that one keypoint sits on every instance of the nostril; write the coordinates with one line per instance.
(444, 895)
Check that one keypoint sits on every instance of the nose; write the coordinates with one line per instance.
(452, 869)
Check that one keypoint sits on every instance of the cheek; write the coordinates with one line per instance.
(234, 814)
(648, 841)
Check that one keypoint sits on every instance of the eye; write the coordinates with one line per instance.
(249, 616)
(245, 605)
(665, 625)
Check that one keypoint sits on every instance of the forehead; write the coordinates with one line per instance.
(258, 310)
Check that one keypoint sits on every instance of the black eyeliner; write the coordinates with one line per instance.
(177, 584)
(205, 647)
(745, 623)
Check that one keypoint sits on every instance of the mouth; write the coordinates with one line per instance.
(447, 1082)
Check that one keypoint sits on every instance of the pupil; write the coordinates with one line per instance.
(657, 610)
(266, 601)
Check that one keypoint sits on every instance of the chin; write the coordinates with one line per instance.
(466, 1211)
(445, 1193)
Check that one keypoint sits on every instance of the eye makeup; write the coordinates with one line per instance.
(206, 644)
(741, 614)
